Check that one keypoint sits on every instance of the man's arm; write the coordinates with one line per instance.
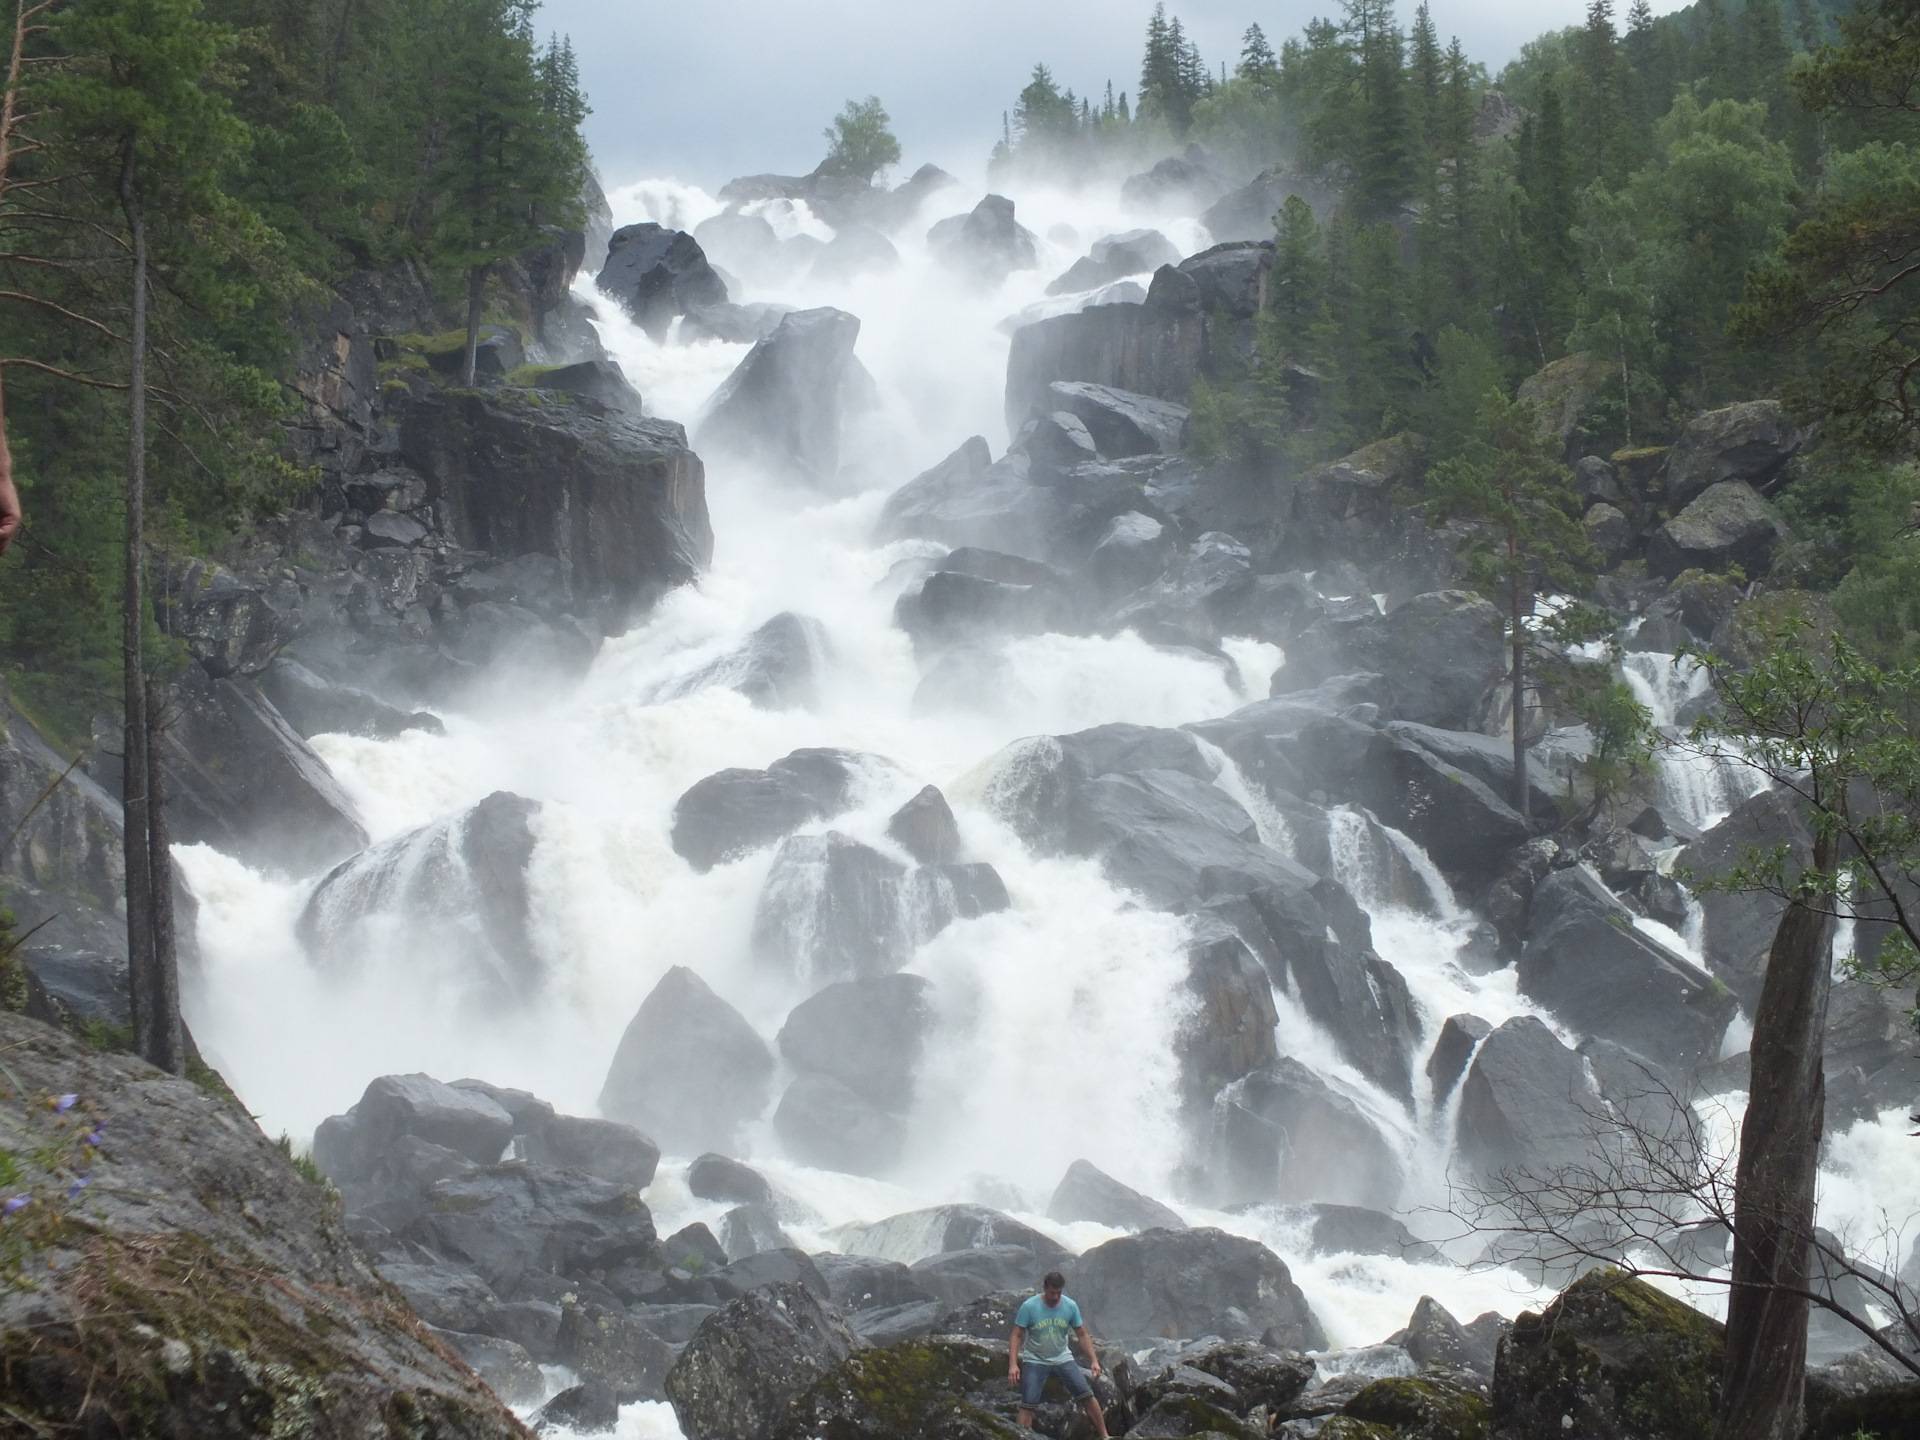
(1085, 1337)
(1013, 1354)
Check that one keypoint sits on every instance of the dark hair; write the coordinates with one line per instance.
(1053, 1278)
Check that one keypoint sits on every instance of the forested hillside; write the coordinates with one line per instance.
(271, 149)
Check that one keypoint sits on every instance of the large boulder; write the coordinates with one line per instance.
(1114, 257)
(867, 1034)
(1229, 1031)
(747, 1363)
(1088, 1193)
(1750, 441)
(783, 409)
(617, 500)
(505, 1220)
(741, 242)
(986, 245)
(231, 626)
(1436, 1340)
(943, 1386)
(314, 705)
(1611, 1358)
(925, 828)
(606, 1149)
(239, 778)
(822, 1121)
(216, 1286)
(1726, 525)
(1525, 1102)
(917, 1235)
(855, 251)
(1288, 1134)
(1585, 960)
(1249, 212)
(662, 1076)
(467, 1122)
(1188, 1283)
(1155, 348)
(832, 908)
(1740, 925)
(733, 812)
(656, 273)
(1467, 828)
(1120, 423)
(1175, 184)
(1440, 653)
(777, 667)
(452, 895)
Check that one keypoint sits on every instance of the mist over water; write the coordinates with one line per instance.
(1063, 995)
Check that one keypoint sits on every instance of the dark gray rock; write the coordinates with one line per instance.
(315, 706)
(860, 1282)
(1751, 441)
(785, 406)
(241, 779)
(230, 625)
(441, 1294)
(751, 1230)
(1609, 532)
(605, 1148)
(1178, 184)
(346, 1147)
(867, 1034)
(589, 1408)
(986, 245)
(1467, 829)
(950, 1228)
(1451, 1052)
(945, 1386)
(1287, 1134)
(1525, 1101)
(1121, 423)
(739, 241)
(1249, 212)
(1439, 653)
(853, 252)
(617, 500)
(957, 1276)
(1356, 1230)
(1230, 1031)
(504, 1220)
(951, 608)
(1436, 1340)
(1088, 1193)
(749, 1361)
(661, 1079)
(1189, 1283)
(821, 1121)
(737, 324)
(1740, 926)
(733, 812)
(715, 1177)
(780, 1266)
(656, 274)
(777, 667)
(926, 829)
(1585, 959)
(453, 893)
(614, 1349)
(695, 1247)
(1155, 348)
(1725, 526)
(832, 909)
(601, 381)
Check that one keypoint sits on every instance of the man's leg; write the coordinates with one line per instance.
(1025, 1417)
(1096, 1414)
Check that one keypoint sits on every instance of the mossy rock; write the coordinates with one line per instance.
(1346, 1427)
(1884, 1414)
(1423, 1407)
(922, 1387)
(1611, 1359)
(1189, 1415)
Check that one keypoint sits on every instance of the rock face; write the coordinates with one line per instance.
(663, 1077)
(215, 1283)
(1525, 1101)
(1192, 1282)
(239, 778)
(1087, 1193)
(1726, 525)
(1248, 213)
(1287, 1134)
(867, 1034)
(939, 1386)
(733, 812)
(748, 1362)
(1119, 423)
(1751, 441)
(986, 245)
(1439, 653)
(1586, 962)
(617, 500)
(1610, 1358)
(656, 274)
(1155, 348)
(785, 406)
(453, 893)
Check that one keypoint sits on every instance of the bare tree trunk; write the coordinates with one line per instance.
(1763, 1388)
(161, 1042)
(135, 785)
(476, 300)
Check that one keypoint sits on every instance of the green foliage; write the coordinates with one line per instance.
(302, 1161)
(1841, 732)
(860, 141)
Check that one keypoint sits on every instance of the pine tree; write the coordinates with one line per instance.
(1126, 117)
(1429, 75)
(1649, 80)
(1257, 60)
(1715, 61)
(1809, 25)
(1599, 68)
(1765, 55)
(1383, 167)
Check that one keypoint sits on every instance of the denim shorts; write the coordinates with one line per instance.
(1033, 1380)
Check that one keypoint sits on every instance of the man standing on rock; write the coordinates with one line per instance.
(1041, 1332)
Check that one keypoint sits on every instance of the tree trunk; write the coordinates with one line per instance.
(476, 299)
(1763, 1388)
(1519, 608)
(161, 1043)
(135, 787)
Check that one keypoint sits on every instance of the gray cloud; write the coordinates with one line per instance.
(708, 89)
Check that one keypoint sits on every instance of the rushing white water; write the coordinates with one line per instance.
(1071, 993)
(1702, 788)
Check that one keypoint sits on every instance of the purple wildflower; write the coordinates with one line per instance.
(79, 1184)
(65, 1103)
(16, 1205)
(93, 1136)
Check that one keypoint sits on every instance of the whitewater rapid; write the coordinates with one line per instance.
(1068, 990)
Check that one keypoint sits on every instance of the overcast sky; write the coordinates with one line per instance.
(704, 90)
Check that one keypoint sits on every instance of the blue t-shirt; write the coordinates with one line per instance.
(1047, 1329)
